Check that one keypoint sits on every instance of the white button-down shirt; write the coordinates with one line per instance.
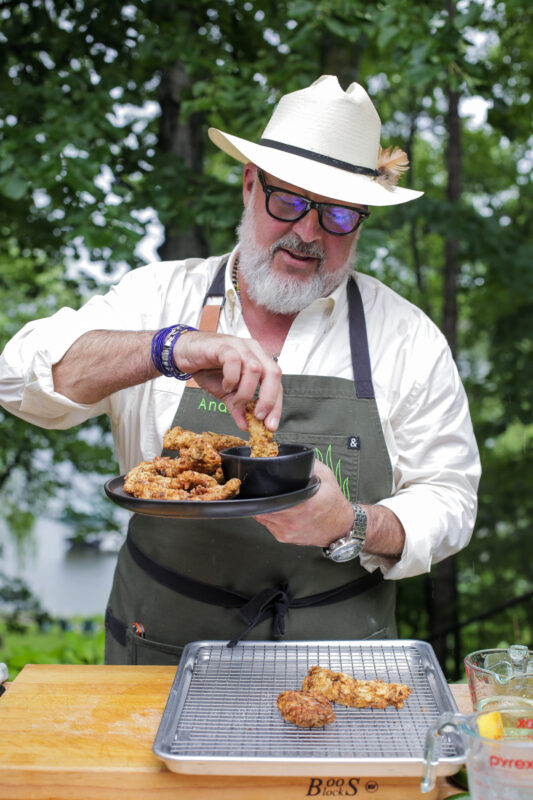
(421, 401)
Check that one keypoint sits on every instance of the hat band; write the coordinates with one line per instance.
(332, 162)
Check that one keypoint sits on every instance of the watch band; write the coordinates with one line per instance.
(350, 545)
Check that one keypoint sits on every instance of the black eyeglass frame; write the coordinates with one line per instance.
(309, 204)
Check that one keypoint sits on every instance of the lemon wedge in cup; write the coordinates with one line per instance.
(490, 725)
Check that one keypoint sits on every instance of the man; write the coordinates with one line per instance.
(339, 362)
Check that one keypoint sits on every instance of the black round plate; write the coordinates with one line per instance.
(208, 509)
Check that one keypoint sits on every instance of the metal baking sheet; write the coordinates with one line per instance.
(221, 716)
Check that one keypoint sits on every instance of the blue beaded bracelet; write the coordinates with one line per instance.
(162, 349)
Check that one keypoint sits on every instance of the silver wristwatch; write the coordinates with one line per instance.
(351, 544)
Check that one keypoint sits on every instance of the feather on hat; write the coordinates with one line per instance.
(391, 165)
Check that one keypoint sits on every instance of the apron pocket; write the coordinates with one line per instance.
(339, 453)
(151, 653)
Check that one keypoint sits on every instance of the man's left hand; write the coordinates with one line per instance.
(322, 519)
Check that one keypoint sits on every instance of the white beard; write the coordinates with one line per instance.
(284, 294)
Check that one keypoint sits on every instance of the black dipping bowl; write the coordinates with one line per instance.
(264, 477)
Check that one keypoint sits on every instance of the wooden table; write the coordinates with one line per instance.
(86, 733)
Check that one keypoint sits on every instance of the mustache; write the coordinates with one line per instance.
(292, 241)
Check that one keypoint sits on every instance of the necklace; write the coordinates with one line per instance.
(235, 277)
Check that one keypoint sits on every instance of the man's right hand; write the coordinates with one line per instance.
(231, 369)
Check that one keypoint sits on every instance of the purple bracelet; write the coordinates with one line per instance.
(162, 348)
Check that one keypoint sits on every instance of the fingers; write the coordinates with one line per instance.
(257, 371)
(270, 399)
(233, 369)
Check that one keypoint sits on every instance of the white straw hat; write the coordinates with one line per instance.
(326, 141)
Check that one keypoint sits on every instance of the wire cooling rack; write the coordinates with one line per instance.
(221, 714)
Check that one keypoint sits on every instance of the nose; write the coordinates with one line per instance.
(308, 227)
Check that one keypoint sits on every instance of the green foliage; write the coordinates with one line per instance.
(51, 644)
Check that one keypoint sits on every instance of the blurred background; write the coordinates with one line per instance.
(105, 165)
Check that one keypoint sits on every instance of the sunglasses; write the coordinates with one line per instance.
(290, 206)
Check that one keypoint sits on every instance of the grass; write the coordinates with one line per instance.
(78, 641)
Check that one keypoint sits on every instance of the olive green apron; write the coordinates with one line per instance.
(149, 619)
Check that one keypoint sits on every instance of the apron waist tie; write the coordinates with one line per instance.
(273, 601)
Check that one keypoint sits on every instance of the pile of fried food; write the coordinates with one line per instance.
(196, 474)
(311, 707)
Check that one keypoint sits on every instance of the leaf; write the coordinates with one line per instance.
(346, 489)
(6, 162)
(342, 29)
(14, 186)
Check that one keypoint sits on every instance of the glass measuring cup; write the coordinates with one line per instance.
(497, 768)
(500, 676)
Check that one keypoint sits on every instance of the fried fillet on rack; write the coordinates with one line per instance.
(347, 691)
(262, 444)
(305, 709)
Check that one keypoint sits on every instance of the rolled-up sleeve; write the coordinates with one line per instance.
(437, 467)
(26, 380)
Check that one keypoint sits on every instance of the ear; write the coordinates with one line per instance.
(248, 177)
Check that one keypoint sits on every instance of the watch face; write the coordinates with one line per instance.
(346, 552)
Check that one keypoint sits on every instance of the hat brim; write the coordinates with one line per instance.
(313, 176)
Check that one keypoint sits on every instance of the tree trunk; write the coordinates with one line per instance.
(444, 606)
(340, 58)
(186, 140)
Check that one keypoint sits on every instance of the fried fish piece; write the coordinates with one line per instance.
(177, 439)
(347, 691)
(200, 457)
(222, 441)
(170, 467)
(262, 444)
(156, 491)
(226, 491)
(305, 709)
(185, 480)
(196, 475)
(191, 479)
(144, 471)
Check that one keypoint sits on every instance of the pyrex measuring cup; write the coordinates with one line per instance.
(500, 677)
(497, 768)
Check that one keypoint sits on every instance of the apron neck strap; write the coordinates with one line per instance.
(362, 372)
(217, 287)
(211, 313)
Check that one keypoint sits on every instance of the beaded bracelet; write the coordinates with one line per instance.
(162, 349)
